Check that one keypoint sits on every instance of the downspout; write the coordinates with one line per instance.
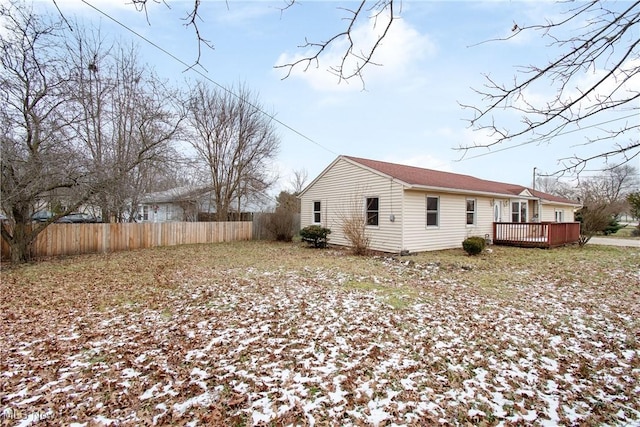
(402, 218)
(539, 209)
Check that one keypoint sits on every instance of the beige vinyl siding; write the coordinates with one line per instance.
(484, 222)
(549, 213)
(452, 228)
(505, 210)
(344, 187)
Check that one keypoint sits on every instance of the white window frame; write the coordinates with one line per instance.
(432, 211)
(375, 212)
(522, 213)
(472, 212)
(317, 212)
(559, 215)
(145, 212)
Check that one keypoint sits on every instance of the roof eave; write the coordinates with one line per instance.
(486, 193)
(462, 191)
(553, 202)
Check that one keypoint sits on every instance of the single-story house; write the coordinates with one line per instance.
(176, 204)
(190, 203)
(412, 209)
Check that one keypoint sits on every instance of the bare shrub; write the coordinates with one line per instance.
(594, 219)
(353, 225)
(281, 224)
(354, 230)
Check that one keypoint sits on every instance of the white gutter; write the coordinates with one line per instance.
(484, 193)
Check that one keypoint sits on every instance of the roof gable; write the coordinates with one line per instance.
(417, 177)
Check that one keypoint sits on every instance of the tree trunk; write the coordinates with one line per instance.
(20, 243)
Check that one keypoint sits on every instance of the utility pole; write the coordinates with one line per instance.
(534, 178)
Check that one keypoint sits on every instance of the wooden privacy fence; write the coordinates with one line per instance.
(74, 239)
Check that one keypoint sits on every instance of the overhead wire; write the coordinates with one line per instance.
(295, 131)
(204, 76)
(539, 140)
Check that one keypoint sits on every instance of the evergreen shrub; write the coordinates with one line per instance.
(316, 235)
(473, 245)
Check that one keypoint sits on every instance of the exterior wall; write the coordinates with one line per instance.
(343, 189)
(549, 213)
(452, 228)
(546, 212)
(161, 212)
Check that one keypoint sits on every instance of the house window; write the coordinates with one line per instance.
(317, 218)
(519, 211)
(471, 211)
(559, 216)
(433, 209)
(373, 210)
(145, 213)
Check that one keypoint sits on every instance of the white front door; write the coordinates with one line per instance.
(497, 212)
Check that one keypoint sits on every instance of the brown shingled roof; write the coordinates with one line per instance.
(420, 177)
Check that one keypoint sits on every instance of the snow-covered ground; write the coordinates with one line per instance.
(319, 346)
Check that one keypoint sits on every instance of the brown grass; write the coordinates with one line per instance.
(456, 321)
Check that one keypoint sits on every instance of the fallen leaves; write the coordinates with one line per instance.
(259, 334)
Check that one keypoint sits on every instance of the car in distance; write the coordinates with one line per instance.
(41, 216)
(77, 218)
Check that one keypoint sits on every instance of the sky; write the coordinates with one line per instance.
(409, 110)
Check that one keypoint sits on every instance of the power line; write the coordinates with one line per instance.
(547, 138)
(204, 76)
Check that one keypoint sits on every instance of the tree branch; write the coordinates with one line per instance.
(609, 43)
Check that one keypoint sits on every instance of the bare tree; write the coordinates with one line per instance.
(609, 188)
(234, 141)
(126, 124)
(553, 185)
(607, 49)
(299, 180)
(604, 197)
(55, 147)
(38, 160)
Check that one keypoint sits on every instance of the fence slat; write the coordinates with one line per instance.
(70, 239)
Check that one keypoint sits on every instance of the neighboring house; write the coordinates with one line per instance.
(189, 203)
(176, 204)
(413, 209)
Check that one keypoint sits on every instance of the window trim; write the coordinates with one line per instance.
(519, 212)
(375, 212)
(472, 212)
(436, 211)
(561, 215)
(317, 212)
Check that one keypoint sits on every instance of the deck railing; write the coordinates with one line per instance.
(536, 234)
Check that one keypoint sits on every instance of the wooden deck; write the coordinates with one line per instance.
(536, 234)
